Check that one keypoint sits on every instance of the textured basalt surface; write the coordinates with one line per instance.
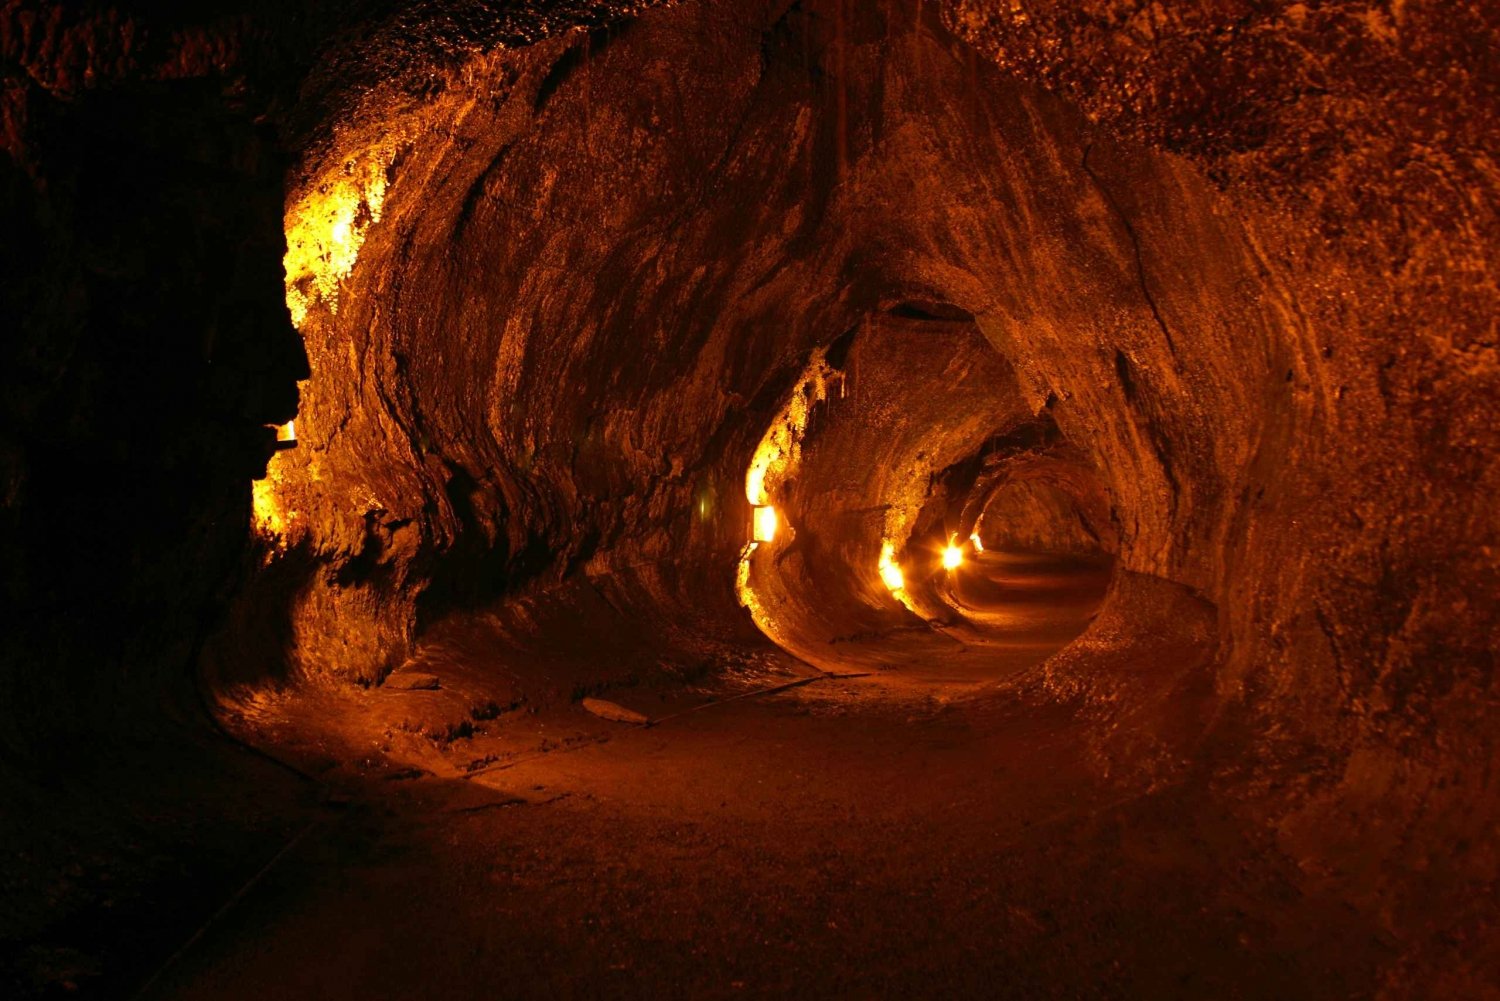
(1203, 291)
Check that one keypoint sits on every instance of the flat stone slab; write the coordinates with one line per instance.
(614, 712)
(411, 681)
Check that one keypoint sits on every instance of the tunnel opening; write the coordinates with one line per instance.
(469, 483)
(479, 506)
(525, 509)
(1035, 516)
(1034, 570)
(868, 492)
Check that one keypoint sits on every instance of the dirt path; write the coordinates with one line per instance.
(831, 841)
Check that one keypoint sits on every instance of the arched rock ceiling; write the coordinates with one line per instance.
(826, 170)
(563, 296)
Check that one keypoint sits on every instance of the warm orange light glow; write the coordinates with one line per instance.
(974, 538)
(326, 228)
(774, 464)
(890, 570)
(780, 450)
(274, 519)
(765, 523)
(953, 556)
(270, 520)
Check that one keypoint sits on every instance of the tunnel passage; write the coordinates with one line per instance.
(862, 556)
(922, 234)
(1034, 516)
(1225, 271)
(867, 282)
(554, 309)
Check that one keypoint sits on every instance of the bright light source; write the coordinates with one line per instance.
(953, 556)
(765, 523)
(890, 570)
(974, 538)
(286, 435)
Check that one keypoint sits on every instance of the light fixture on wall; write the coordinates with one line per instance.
(286, 435)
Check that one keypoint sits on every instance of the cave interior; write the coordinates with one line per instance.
(773, 498)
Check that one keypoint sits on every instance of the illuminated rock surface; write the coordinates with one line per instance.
(1186, 315)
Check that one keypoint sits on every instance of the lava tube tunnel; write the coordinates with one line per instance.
(781, 499)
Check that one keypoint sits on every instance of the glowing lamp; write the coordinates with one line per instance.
(765, 523)
(890, 570)
(953, 556)
(286, 435)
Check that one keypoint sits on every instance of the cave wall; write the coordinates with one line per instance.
(145, 345)
(1032, 515)
(1354, 587)
(144, 153)
(148, 348)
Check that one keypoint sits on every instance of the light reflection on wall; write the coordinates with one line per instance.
(325, 228)
(775, 462)
(890, 571)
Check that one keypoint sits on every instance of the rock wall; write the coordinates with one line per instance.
(1349, 141)
(147, 351)
(1034, 516)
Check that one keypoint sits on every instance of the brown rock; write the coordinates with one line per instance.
(614, 712)
(412, 681)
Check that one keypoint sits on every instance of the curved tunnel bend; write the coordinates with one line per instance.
(927, 327)
(454, 448)
(872, 484)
